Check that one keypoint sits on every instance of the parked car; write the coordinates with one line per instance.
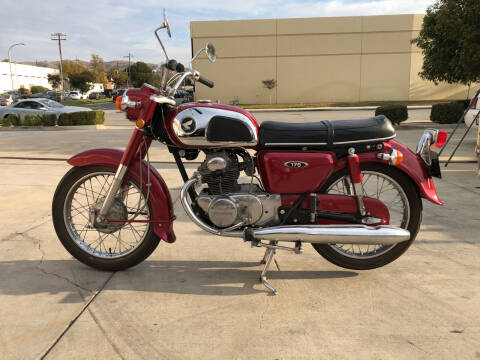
(109, 92)
(474, 109)
(7, 99)
(75, 95)
(183, 96)
(117, 94)
(38, 106)
(52, 95)
(96, 96)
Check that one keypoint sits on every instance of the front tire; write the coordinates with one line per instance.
(116, 246)
(409, 217)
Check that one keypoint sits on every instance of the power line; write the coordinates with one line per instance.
(60, 37)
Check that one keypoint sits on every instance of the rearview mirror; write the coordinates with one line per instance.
(210, 50)
(165, 24)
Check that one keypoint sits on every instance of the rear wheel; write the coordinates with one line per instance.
(109, 246)
(398, 193)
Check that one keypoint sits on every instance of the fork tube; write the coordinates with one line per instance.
(130, 151)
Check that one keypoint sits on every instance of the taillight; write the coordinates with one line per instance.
(441, 139)
(474, 103)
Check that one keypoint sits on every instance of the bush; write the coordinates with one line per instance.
(464, 103)
(37, 89)
(395, 113)
(447, 113)
(31, 120)
(48, 119)
(11, 120)
(82, 118)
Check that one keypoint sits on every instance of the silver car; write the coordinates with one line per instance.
(38, 106)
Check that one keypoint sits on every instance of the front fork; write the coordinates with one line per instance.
(137, 148)
(356, 179)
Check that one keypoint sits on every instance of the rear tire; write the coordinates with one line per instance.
(342, 258)
(76, 242)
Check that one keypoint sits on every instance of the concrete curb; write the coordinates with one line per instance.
(53, 128)
(336, 108)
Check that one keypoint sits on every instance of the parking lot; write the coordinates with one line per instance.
(200, 298)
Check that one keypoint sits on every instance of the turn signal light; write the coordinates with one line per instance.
(395, 157)
(140, 123)
(441, 139)
(396, 160)
(118, 102)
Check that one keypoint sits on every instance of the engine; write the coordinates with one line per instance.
(225, 201)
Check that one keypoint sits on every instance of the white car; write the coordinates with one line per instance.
(473, 111)
(75, 95)
(38, 106)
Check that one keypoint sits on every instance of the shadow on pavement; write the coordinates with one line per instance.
(226, 278)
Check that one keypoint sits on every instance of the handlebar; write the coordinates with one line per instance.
(206, 82)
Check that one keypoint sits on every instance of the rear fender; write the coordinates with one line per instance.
(412, 166)
(160, 199)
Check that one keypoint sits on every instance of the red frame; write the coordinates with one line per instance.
(342, 204)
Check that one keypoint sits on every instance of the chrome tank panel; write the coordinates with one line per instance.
(191, 126)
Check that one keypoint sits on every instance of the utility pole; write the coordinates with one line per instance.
(129, 56)
(60, 37)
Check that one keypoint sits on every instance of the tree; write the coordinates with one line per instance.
(140, 73)
(450, 42)
(98, 68)
(81, 80)
(72, 67)
(269, 84)
(54, 80)
(118, 77)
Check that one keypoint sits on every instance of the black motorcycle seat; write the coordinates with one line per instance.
(339, 132)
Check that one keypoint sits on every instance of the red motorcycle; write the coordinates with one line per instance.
(347, 187)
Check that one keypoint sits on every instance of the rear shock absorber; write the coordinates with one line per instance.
(356, 179)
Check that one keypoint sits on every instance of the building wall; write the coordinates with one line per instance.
(316, 60)
(24, 76)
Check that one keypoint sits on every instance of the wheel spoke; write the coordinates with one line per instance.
(114, 239)
(390, 193)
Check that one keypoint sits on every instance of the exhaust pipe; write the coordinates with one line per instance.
(332, 234)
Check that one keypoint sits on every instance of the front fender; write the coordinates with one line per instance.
(412, 166)
(160, 199)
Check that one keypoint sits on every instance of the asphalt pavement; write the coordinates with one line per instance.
(200, 298)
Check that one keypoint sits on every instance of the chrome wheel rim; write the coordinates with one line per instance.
(123, 238)
(378, 186)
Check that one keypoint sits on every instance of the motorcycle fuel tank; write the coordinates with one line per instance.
(204, 125)
(294, 172)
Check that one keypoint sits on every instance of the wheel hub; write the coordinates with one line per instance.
(118, 211)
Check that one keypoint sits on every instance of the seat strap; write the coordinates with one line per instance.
(331, 132)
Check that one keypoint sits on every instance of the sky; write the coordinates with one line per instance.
(112, 29)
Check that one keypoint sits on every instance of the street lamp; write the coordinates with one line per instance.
(10, 62)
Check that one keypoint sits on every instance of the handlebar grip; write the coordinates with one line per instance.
(172, 65)
(206, 82)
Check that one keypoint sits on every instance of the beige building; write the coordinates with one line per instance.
(316, 60)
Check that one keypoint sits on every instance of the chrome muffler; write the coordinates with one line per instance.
(332, 234)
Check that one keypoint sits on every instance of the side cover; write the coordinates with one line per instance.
(160, 199)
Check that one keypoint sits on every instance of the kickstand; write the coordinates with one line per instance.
(267, 259)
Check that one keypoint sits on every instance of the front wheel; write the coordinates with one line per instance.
(398, 193)
(108, 246)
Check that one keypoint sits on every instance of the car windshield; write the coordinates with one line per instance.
(50, 103)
